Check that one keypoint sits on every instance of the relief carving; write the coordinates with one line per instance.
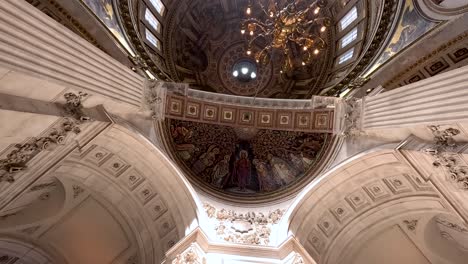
(192, 255)
(155, 96)
(77, 190)
(16, 160)
(298, 259)
(352, 118)
(442, 151)
(454, 231)
(243, 228)
(451, 225)
(74, 107)
(411, 224)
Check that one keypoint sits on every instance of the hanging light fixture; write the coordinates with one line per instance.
(293, 30)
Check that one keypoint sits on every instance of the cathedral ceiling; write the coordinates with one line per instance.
(204, 43)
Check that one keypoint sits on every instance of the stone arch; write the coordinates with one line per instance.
(447, 236)
(13, 249)
(48, 205)
(360, 198)
(444, 10)
(128, 172)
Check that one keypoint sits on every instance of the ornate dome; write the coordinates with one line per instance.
(204, 42)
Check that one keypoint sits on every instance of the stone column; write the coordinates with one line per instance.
(34, 44)
(442, 99)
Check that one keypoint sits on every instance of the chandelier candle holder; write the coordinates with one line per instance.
(290, 34)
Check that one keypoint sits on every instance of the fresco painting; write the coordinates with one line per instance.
(104, 10)
(411, 26)
(261, 162)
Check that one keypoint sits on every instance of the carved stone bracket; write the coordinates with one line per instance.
(192, 255)
(411, 224)
(243, 228)
(16, 160)
(155, 99)
(445, 157)
(74, 107)
(352, 118)
(298, 259)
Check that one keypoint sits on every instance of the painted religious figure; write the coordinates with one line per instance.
(265, 182)
(267, 161)
(205, 160)
(104, 10)
(220, 172)
(242, 170)
(182, 137)
(281, 170)
(411, 26)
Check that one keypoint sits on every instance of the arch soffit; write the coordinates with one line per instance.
(132, 163)
(26, 251)
(439, 12)
(352, 192)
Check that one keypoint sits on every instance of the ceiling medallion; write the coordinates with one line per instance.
(290, 34)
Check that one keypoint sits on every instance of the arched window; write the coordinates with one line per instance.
(348, 18)
(152, 39)
(348, 38)
(152, 20)
(158, 5)
(346, 56)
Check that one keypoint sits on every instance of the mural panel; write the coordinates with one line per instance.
(411, 26)
(104, 10)
(245, 161)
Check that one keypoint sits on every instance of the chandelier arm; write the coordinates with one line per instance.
(254, 20)
(263, 28)
(310, 22)
(321, 18)
(256, 37)
(263, 8)
(310, 7)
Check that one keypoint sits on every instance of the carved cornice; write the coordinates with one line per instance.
(422, 61)
(72, 24)
(305, 118)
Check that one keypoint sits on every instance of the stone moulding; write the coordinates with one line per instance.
(16, 160)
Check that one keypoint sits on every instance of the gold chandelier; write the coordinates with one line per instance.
(293, 31)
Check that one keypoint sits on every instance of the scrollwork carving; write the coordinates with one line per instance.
(155, 98)
(411, 224)
(16, 160)
(352, 118)
(442, 151)
(298, 259)
(451, 225)
(244, 228)
(192, 255)
(74, 107)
